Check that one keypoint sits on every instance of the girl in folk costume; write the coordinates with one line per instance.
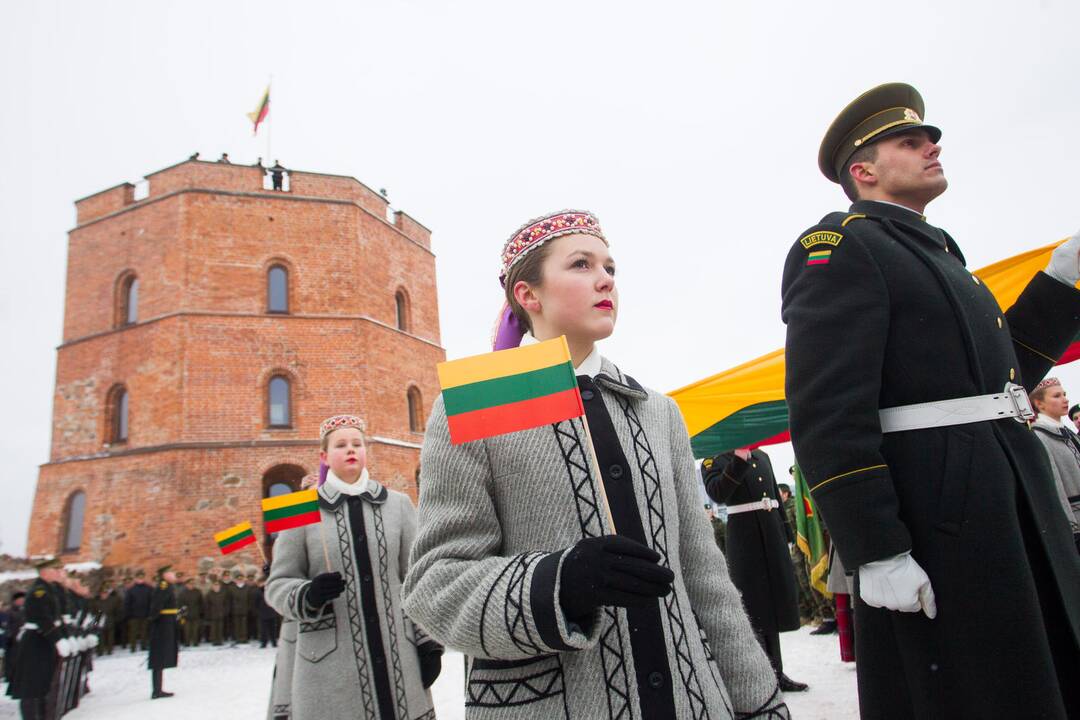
(1062, 445)
(515, 562)
(357, 655)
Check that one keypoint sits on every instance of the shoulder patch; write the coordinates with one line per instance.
(821, 237)
(39, 593)
(707, 463)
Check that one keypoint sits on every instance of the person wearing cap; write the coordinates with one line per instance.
(254, 596)
(217, 609)
(111, 608)
(757, 539)
(164, 633)
(905, 387)
(357, 654)
(191, 600)
(1074, 417)
(40, 643)
(564, 610)
(137, 611)
(1063, 447)
(238, 607)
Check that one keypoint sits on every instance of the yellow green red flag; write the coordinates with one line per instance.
(810, 535)
(297, 509)
(236, 537)
(509, 390)
(261, 111)
(745, 406)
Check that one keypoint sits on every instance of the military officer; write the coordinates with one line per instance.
(137, 611)
(757, 550)
(192, 601)
(238, 607)
(903, 386)
(254, 594)
(36, 662)
(217, 609)
(229, 587)
(164, 636)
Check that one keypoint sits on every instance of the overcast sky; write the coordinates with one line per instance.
(691, 129)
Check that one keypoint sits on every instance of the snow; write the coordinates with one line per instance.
(235, 683)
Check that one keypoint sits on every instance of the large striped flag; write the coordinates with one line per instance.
(509, 390)
(291, 511)
(809, 534)
(261, 111)
(745, 406)
(236, 537)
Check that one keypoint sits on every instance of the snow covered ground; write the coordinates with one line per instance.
(234, 683)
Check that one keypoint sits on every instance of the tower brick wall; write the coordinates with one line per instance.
(197, 361)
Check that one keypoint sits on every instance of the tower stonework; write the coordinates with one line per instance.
(186, 392)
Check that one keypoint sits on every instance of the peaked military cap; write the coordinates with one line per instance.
(876, 114)
(46, 562)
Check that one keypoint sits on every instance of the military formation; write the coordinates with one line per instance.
(54, 630)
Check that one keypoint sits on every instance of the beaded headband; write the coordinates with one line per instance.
(1048, 382)
(337, 422)
(538, 231)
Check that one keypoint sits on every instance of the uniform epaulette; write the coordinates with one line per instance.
(853, 216)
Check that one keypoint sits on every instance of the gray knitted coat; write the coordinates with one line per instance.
(1064, 455)
(338, 671)
(281, 685)
(496, 517)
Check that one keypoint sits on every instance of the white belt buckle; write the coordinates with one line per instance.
(766, 504)
(1019, 397)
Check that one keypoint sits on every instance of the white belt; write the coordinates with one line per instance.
(1012, 402)
(764, 503)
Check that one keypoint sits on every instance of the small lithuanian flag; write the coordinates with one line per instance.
(291, 511)
(509, 390)
(819, 257)
(234, 538)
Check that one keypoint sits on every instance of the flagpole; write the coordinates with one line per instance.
(599, 477)
(269, 123)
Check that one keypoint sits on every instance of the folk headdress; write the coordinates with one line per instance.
(1046, 383)
(528, 237)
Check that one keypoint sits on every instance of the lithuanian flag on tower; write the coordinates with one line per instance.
(509, 390)
(261, 111)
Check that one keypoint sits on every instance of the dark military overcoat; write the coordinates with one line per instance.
(164, 638)
(757, 553)
(882, 312)
(36, 658)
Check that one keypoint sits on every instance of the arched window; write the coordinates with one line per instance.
(117, 405)
(127, 300)
(278, 402)
(281, 480)
(416, 410)
(73, 521)
(401, 306)
(277, 289)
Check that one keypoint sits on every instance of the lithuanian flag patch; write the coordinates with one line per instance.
(819, 257)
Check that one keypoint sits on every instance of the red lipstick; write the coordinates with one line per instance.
(605, 305)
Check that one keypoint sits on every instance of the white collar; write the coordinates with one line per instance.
(356, 488)
(590, 366)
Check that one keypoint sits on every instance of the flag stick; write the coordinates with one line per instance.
(325, 551)
(262, 554)
(269, 130)
(599, 477)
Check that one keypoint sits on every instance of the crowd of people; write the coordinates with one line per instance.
(572, 565)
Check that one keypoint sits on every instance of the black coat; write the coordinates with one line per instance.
(164, 643)
(757, 553)
(35, 658)
(892, 317)
(137, 601)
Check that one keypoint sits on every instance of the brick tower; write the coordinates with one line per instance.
(208, 328)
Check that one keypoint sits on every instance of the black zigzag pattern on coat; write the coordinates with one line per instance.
(577, 471)
(330, 621)
(771, 709)
(388, 613)
(517, 596)
(612, 658)
(352, 603)
(714, 669)
(491, 692)
(654, 501)
(429, 715)
(281, 712)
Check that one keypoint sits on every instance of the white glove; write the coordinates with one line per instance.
(897, 583)
(63, 647)
(92, 641)
(1065, 261)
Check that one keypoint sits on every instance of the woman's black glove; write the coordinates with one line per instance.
(430, 662)
(610, 570)
(324, 588)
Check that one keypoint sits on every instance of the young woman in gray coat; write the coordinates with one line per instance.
(357, 655)
(1062, 445)
(516, 563)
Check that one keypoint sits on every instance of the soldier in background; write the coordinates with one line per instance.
(36, 661)
(228, 586)
(164, 633)
(238, 608)
(217, 609)
(254, 593)
(192, 601)
(137, 611)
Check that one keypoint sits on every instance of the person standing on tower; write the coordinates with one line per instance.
(904, 386)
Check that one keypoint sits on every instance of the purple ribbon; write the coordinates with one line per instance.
(323, 469)
(509, 332)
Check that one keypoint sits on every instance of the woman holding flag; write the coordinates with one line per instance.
(561, 544)
(337, 571)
